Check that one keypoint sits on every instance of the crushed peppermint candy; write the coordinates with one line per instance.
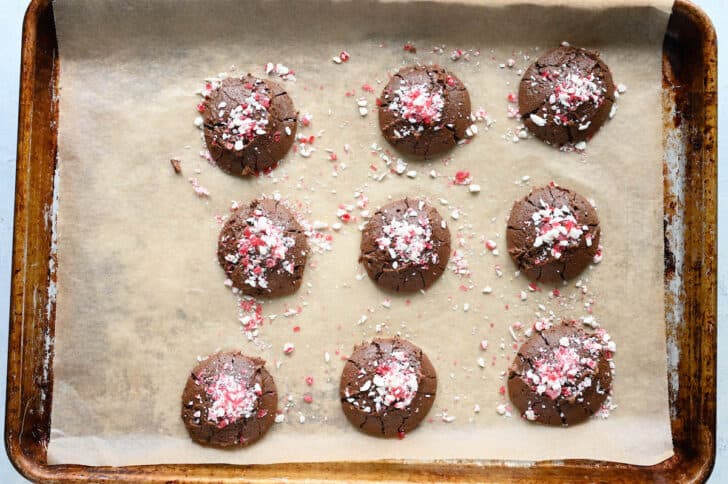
(462, 178)
(556, 230)
(419, 104)
(408, 240)
(503, 410)
(537, 120)
(263, 246)
(394, 384)
(231, 399)
(571, 89)
(543, 323)
(599, 255)
(199, 190)
(280, 70)
(459, 264)
(305, 119)
(567, 370)
(250, 315)
(318, 240)
(242, 123)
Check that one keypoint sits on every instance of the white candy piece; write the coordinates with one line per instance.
(537, 120)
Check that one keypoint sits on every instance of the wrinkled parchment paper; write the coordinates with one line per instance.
(140, 294)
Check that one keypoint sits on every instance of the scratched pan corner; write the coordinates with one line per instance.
(690, 169)
(690, 191)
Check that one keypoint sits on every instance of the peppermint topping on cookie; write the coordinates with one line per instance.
(242, 123)
(262, 247)
(393, 385)
(543, 323)
(408, 239)
(231, 399)
(556, 229)
(419, 104)
(571, 89)
(567, 370)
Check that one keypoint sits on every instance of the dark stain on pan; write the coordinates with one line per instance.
(669, 257)
(30, 386)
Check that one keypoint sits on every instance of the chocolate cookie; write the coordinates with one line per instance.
(405, 246)
(553, 234)
(387, 387)
(561, 375)
(263, 249)
(230, 400)
(566, 95)
(424, 110)
(249, 124)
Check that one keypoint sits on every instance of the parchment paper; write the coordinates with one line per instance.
(140, 294)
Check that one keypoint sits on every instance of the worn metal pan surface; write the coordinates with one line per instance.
(690, 169)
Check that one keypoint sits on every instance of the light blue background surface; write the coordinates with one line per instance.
(11, 17)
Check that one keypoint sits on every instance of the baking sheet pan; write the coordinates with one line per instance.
(514, 472)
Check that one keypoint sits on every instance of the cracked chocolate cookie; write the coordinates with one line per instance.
(249, 124)
(405, 246)
(424, 110)
(553, 234)
(387, 387)
(561, 375)
(229, 400)
(263, 249)
(566, 95)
